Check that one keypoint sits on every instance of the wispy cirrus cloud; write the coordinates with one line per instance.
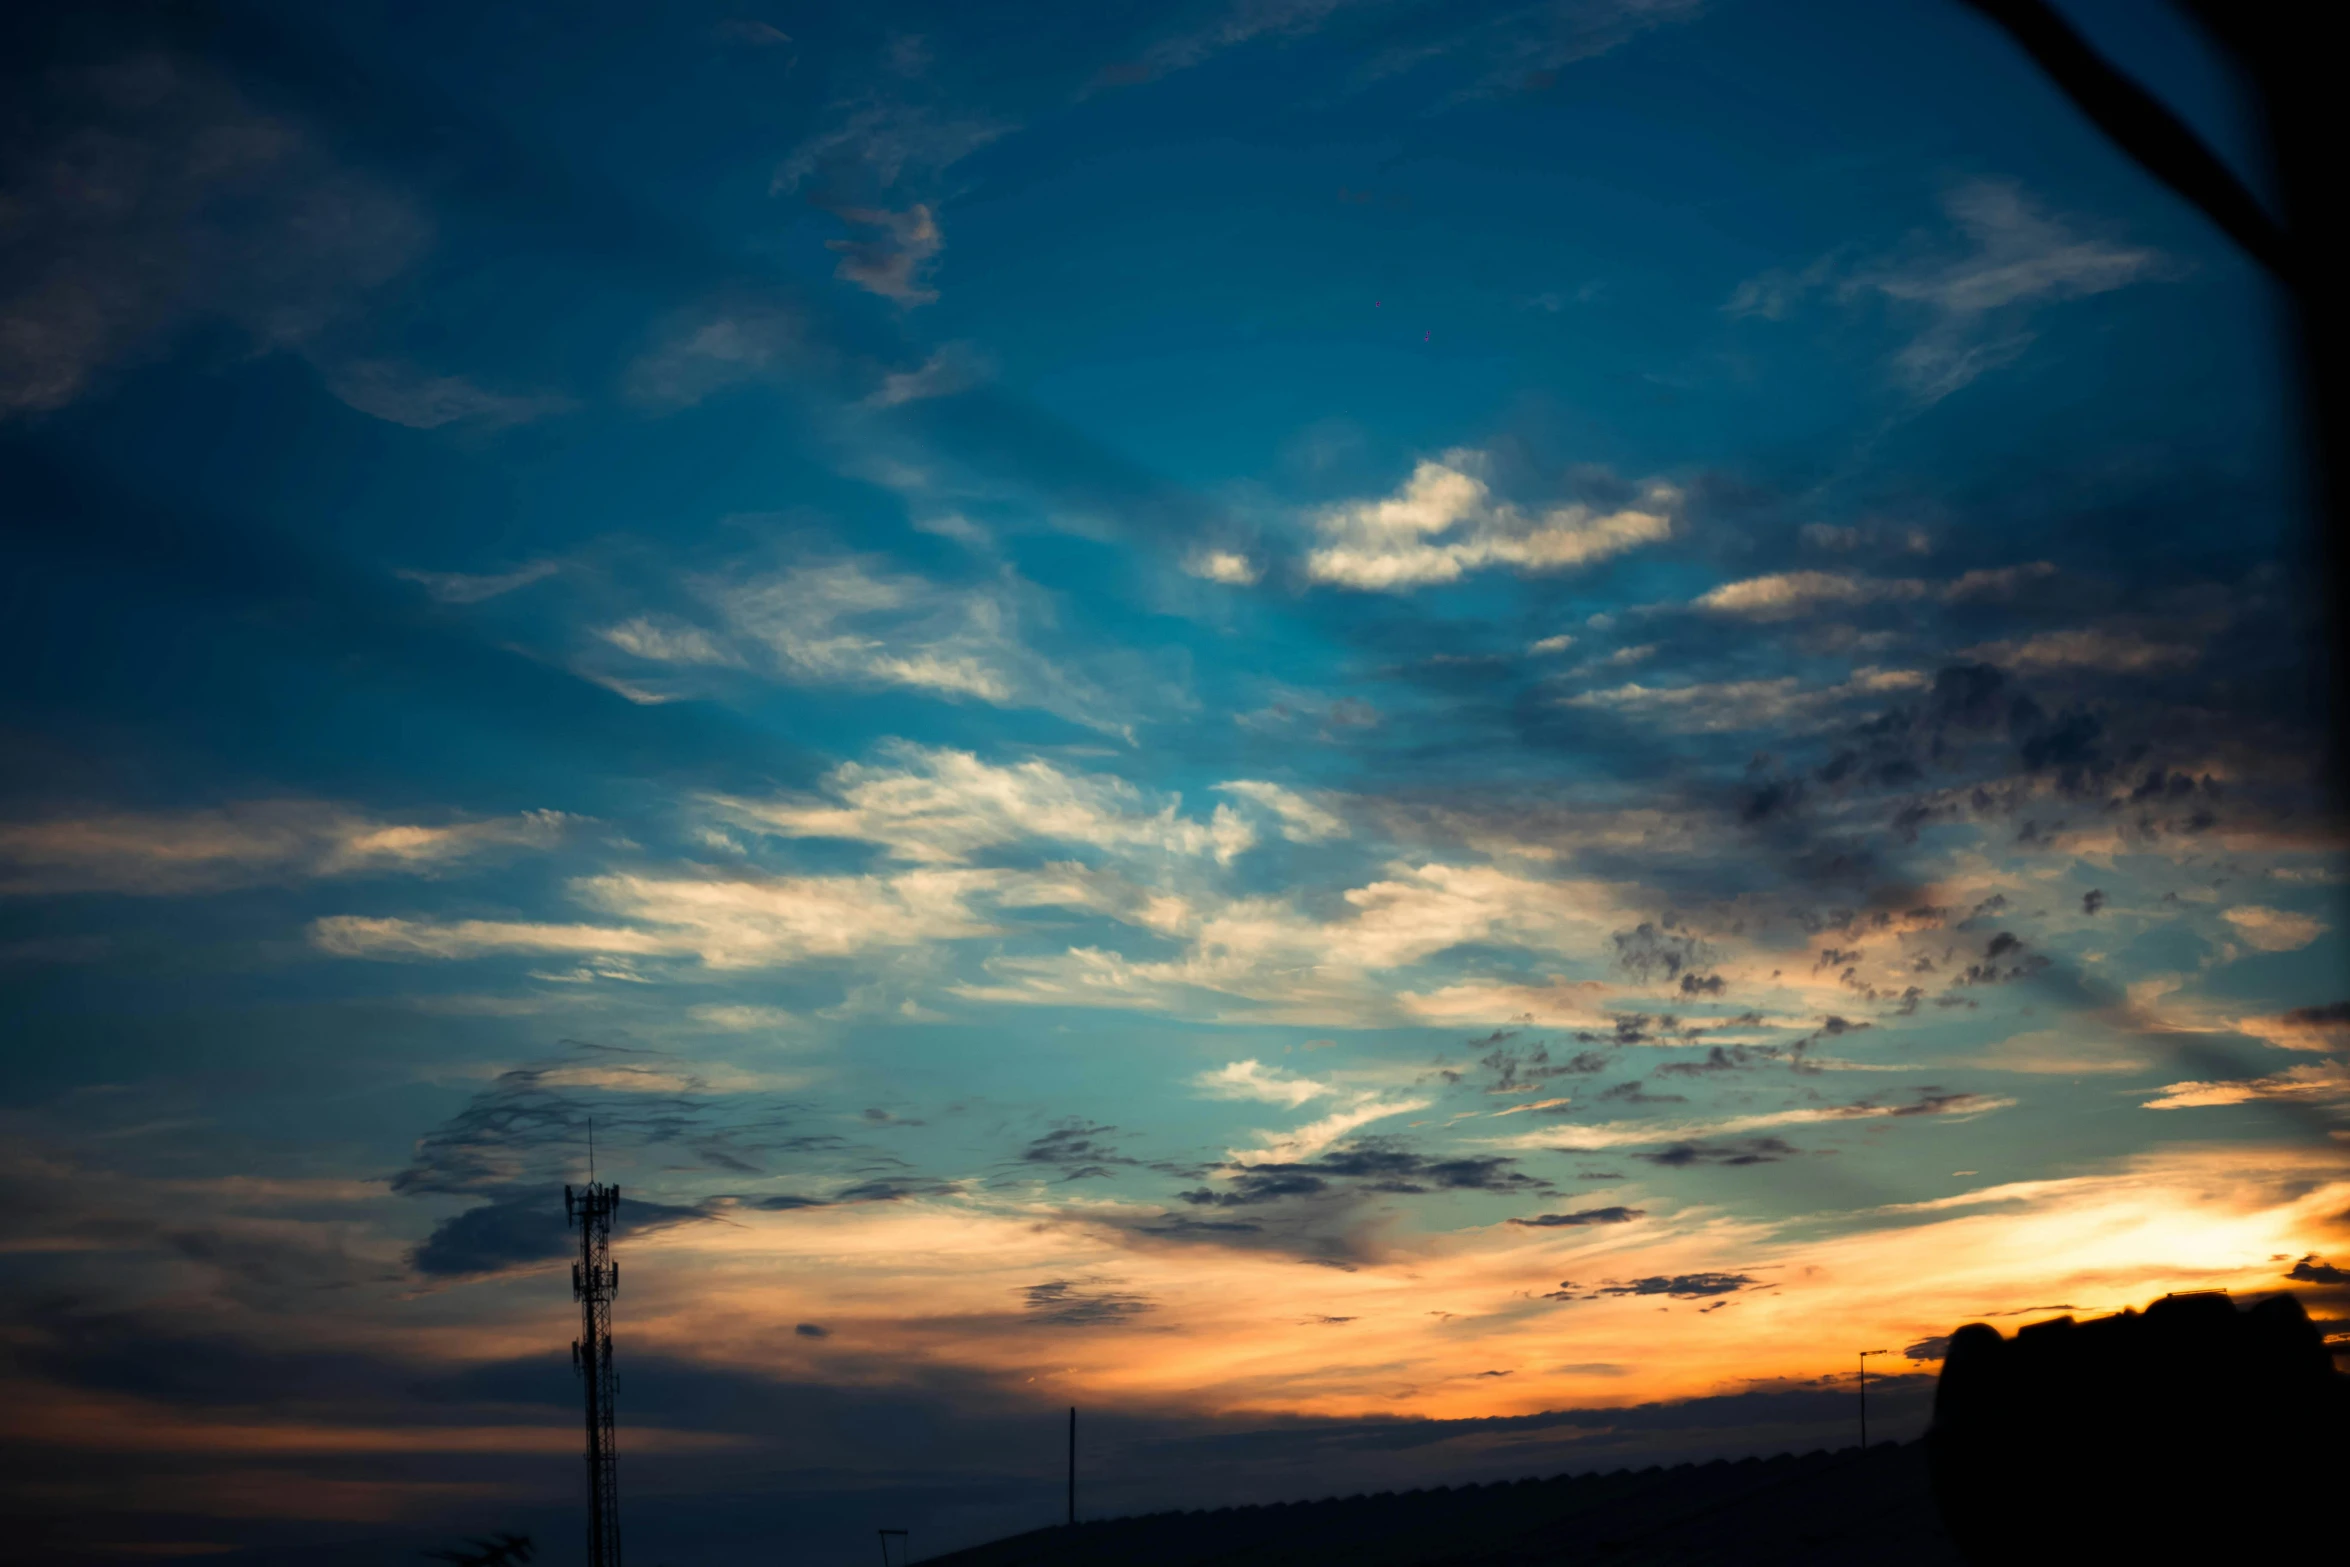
(724, 922)
(1976, 300)
(249, 844)
(856, 621)
(937, 805)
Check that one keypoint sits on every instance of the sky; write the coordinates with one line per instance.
(1401, 742)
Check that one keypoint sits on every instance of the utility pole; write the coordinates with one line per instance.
(905, 1546)
(1864, 1396)
(1072, 1466)
(595, 1278)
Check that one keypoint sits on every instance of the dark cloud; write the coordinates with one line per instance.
(2005, 960)
(1676, 1286)
(2311, 1270)
(2092, 901)
(1373, 1166)
(1068, 1304)
(1929, 1348)
(1650, 952)
(530, 1126)
(1635, 1094)
(1733, 1151)
(528, 1228)
(894, 1188)
(1718, 1058)
(812, 1330)
(1583, 1216)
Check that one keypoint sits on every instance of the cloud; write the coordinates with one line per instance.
(1787, 595)
(2324, 1027)
(526, 1230)
(1743, 706)
(1315, 1136)
(726, 922)
(1975, 302)
(1734, 1151)
(2319, 1082)
(857, 622)
(402, 394)
(706, 351)
(890, 258)
(951, 368)
(1078, 1304)
(934, 805)
(249, 844)
(1378, 1166)
(1302, 821)
(2274, 930)
(1226, 566)
(154, 197)
(1315, 971)
(1252, 1079)
(1445, 523)
(740, 1018)
(1724, 1140)
(2107, 652)
(454, 587)
(1681, 1286)
(1582, 1217)
(1241, 21)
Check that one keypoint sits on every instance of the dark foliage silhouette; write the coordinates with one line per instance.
(2179, 1433)
(499, 1550)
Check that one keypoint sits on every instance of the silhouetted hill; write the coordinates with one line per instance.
(1842, 1509)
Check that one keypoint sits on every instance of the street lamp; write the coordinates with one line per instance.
(1864, 1396)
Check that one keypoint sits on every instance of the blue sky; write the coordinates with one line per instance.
(1281, 716)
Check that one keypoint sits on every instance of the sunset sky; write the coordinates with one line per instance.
(1400, 741)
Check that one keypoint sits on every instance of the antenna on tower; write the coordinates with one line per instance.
(595, 1278)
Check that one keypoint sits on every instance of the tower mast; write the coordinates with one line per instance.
(595, 1278)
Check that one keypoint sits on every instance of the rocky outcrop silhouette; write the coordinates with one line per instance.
(2192, 1430)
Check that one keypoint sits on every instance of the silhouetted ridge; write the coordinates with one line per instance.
(1841, 1509)
(2189, 1431)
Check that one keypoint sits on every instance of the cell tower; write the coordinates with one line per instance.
(595, 1279)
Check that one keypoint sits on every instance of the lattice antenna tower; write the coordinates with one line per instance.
(595, 1279)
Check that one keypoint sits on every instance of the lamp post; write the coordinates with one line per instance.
(1864, 1396)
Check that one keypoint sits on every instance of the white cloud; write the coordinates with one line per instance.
(1976, 302)
(456, 587)
(1316, 1136)
(244, 845)
(1445, 523)
(943, 806)
(1557, 644)
(2274, 930)
(1302, 821)
(855, 622)
(152, 197)
(951, 368)
(1284, 964)
(1642, 1134)
(2110, 652)
(727, 922)
(741, 1019)
(1738, 706)
(2318, 1082)
(1226, 566)
(889, 259)
(402, 394)
(1786, 595)
(1254, 1080)
(1560, 1003)
(706, 351)
(666, 642)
